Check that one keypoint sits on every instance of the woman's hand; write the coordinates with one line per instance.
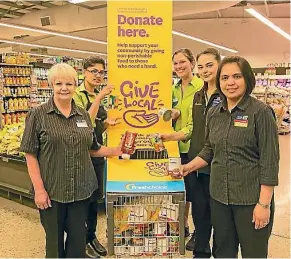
(42, 199)
(112, 122)
(175, 114)
(261, 216)
(166, 137)
(186, 169)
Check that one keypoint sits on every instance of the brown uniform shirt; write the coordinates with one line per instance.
(243, 149)
(62, 146)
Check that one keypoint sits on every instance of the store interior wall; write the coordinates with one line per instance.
(234, 29)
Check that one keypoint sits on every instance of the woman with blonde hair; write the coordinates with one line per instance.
(58, 141)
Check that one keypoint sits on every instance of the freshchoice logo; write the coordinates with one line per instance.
(134, 186)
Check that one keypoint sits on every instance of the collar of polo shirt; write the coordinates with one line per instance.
(51, 107)
(82, 88)
(242, 105)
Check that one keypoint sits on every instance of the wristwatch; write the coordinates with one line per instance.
(265, 206)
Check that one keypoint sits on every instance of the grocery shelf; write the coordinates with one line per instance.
(12, 111)
(15, 65)
(44, 88)
(15, 96)
(279, 77)
(17, 75)
(274, 77)
(16, 85)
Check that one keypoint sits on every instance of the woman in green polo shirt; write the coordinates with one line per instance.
(183, 92)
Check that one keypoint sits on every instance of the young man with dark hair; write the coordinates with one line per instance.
(88, 97)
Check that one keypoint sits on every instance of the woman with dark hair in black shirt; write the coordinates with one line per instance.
(241, 145)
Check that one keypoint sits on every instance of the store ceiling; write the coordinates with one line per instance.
(221, 22)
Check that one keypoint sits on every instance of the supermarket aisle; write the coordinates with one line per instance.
(22, 235)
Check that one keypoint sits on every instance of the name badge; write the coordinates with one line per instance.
(241, 121)
(82, 124)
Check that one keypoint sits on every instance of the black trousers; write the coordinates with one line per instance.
(91, 221)
(61, 217)
(188, 179)
(233, 226)
(201, 213)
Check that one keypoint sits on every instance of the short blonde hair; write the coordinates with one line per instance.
(62, 70)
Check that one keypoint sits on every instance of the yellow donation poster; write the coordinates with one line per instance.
(140, 68)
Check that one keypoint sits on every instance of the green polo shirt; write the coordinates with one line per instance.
(81, 99)
(183, 102)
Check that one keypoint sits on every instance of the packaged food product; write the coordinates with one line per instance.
(173, 244)
(160, 229)
(157, 142)
(149, 229)
(162, 246)
(5, 70)
(174, 228)
(3, 119)
(25, 103)
(6, 104)
(137, 215)
(128, 145)
(150, 246)
(15, 104)
(20, 104)
(138, 247)
(18, 117)
(174, 167)
(10, 104)
(165, 113)
(13, 118)
(8, 119)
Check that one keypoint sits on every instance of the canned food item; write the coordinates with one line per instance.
(157, 142)
(162, 246)
(149, 229)
(128, 145)
(138, 230)
(165, 113)
(174, 167)
(137, 247)
(136, 250)
(173, 244)
(137, 215)
(127, 235)
(118, 240)
(150, 246)
(160, 229)
(163, 215)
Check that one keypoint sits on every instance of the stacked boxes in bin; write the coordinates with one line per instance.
(146, 226)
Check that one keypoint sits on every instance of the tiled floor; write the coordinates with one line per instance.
(21, 234)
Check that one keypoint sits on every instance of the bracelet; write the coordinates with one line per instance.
(265, 206)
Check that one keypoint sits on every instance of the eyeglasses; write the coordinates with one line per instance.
(95, 72)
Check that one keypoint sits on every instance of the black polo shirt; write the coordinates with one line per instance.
(62, 146)
(242, 147)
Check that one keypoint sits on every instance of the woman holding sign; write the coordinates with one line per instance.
(183, 92)
(58, 141)
(241, 144)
